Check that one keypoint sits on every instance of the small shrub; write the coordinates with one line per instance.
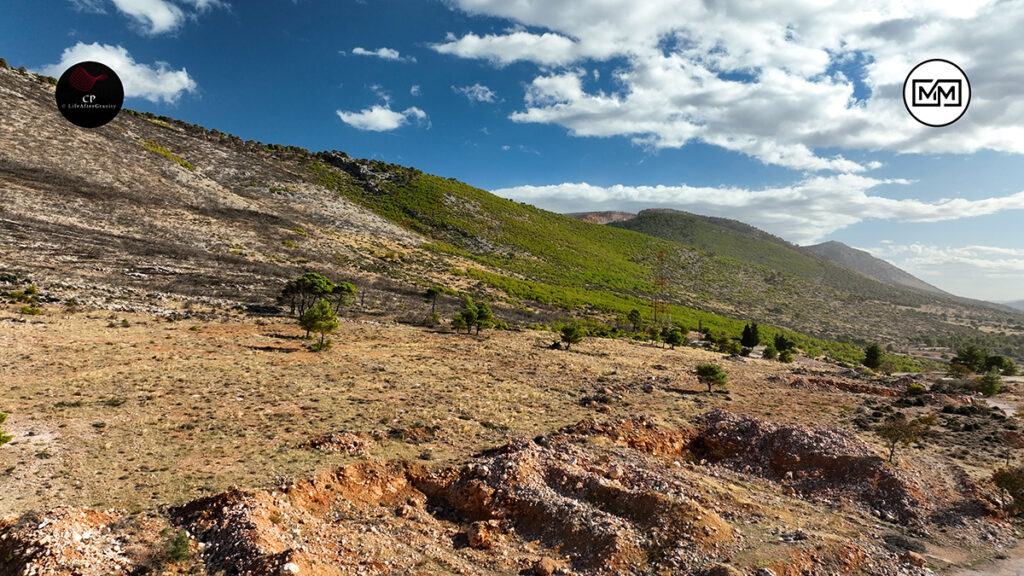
(785, 356)
(990, 383)
(770, 353)
(152, 146)
(176, 546)
(1011, 480)
(915, 389)
(4, 437)
(30, 310)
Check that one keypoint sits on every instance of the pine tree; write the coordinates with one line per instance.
(320, 318)
(751, 337)
(873, 356)
(572, 334)
(635, 318)
(675, 338)
(711, 375)
(484, 316)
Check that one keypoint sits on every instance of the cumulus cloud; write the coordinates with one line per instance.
(804, 212)
(383, 54)
(381, 118)
(154, 16)
(156, 82)
(775, 80)
(547, 49)
(477, 93)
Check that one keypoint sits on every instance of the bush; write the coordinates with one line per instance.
(785, 356)
(31, 310)
(4, 437)
(971, 356)
(729, 346)
(770, 353)
(176, 546)
(782, 343)
(1001, 363)
(1011, 480)
(897, 429)
(913, 388)
(675, 338)
(990, 383)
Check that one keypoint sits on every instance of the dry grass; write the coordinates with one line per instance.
(160, 412)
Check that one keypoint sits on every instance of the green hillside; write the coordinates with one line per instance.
(718, 276)
(746, 243)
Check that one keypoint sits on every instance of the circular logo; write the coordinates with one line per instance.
(89, 94)
(936, 92)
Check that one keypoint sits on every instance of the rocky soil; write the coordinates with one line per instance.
(621, 497)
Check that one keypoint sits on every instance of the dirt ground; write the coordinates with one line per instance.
(138, 412)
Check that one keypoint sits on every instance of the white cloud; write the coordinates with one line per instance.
(547, 49)
(477, 93)
(774, 80)
(992, 272)
(157, 82)
(415, 90)
(382, 53)
(804, 212)
(154, 16)
(381, 118)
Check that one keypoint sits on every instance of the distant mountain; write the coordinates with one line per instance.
(865, 263)
(601, 217)
(1019, 304)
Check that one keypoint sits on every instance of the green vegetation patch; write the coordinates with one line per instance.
(152, 146)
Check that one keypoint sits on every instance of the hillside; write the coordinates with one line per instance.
(601, 217)
(865, 263)
(160, 209)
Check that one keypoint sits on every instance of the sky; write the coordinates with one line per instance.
(785, 114)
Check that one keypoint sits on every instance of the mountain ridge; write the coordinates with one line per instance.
(236, 219)
(871, 266)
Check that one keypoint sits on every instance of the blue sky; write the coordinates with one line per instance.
(786, 115)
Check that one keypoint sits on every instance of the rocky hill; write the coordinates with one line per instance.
(870, 266)
(149, 211)
(601, 217)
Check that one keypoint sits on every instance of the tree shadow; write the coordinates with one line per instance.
(274, 349)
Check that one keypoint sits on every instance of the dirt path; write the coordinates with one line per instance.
(1011, 566)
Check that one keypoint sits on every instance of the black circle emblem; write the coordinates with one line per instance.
(89, 94)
